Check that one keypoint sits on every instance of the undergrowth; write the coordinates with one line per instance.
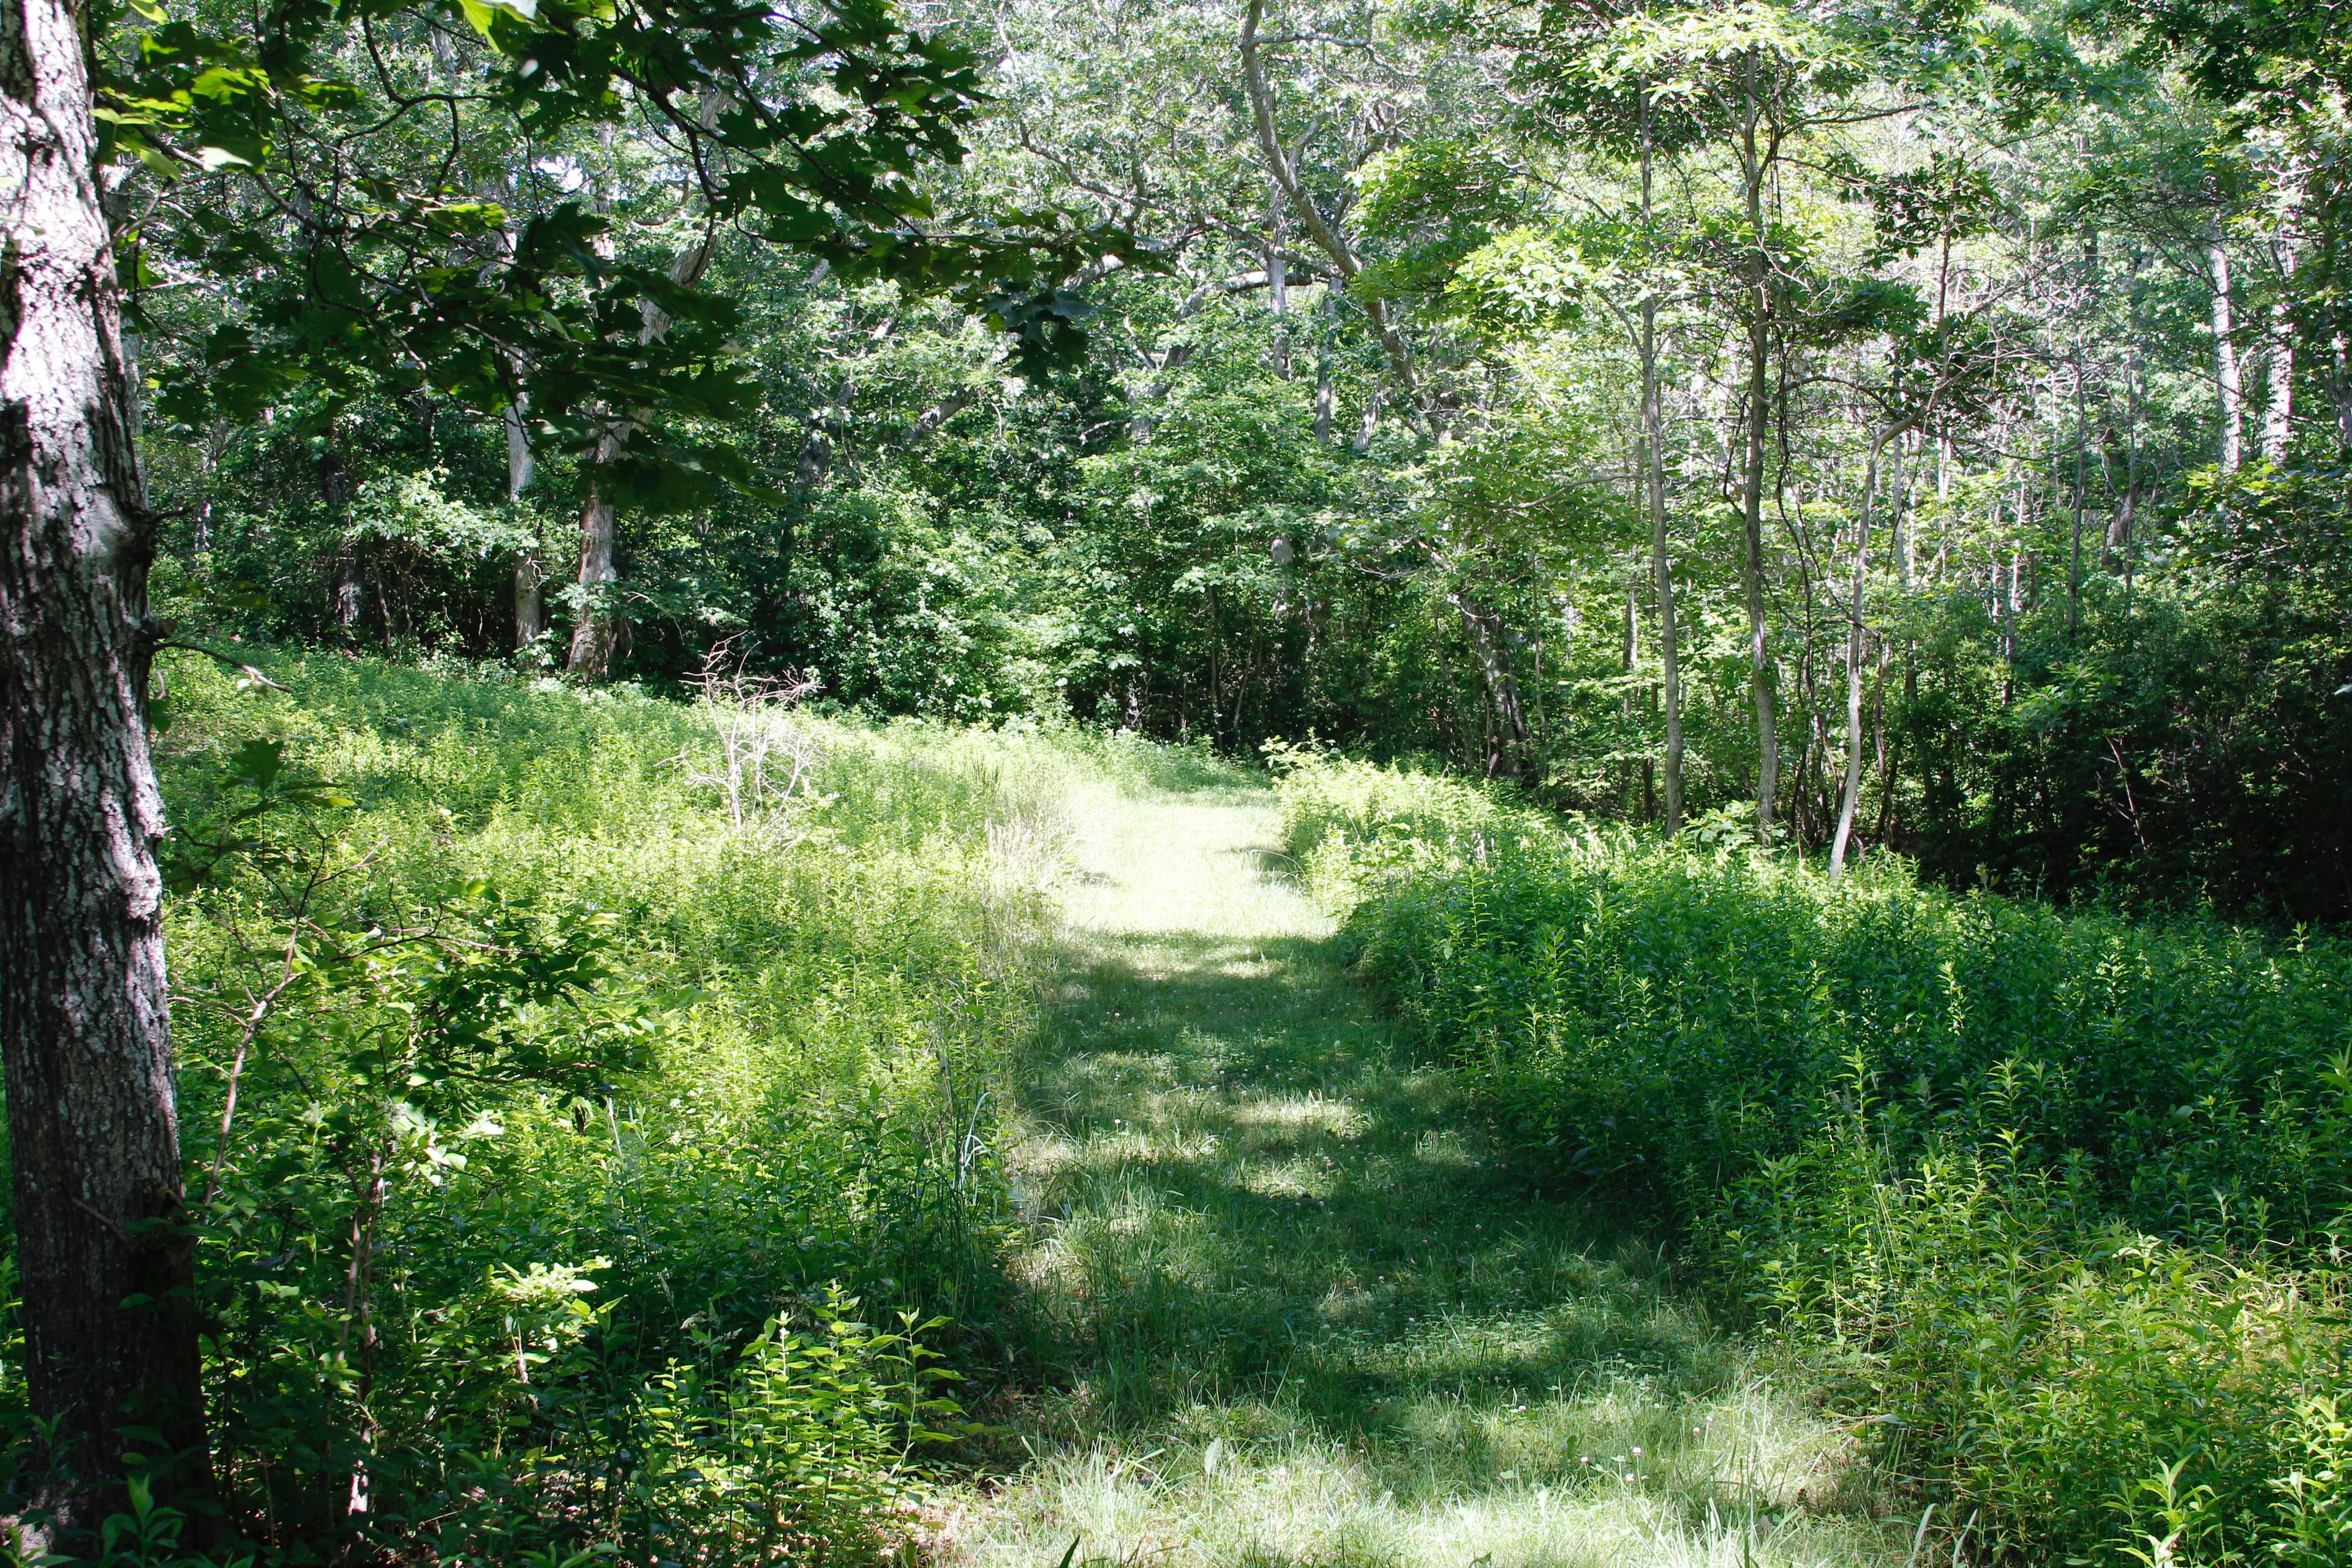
(590, 1152)
(2056, 1198)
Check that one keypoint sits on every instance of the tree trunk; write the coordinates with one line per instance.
(2343, 390)
(598, 636)
(531, 572)
(335, 489)
(530, 599)
(1510, 751)
(2225, 363)
(2278, 408)
(1851, 796)
(2008, 618)
(1630, 666)
(1333, 244)
(2120, 525)
(1653, 496)
(1899, 523)
(2082, 484)
(84, 1023)
(1278, 276)
(1761, 671)
(215, 449)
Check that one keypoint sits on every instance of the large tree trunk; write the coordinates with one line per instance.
(83, 1017)
(531, 572)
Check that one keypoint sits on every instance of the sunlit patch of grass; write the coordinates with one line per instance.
(1297, 1313)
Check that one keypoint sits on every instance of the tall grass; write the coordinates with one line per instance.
(2055, 1194)
(579, 1165)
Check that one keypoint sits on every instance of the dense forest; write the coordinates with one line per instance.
(594, 570)
(1607, 401)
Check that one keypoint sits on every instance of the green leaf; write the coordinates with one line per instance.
(483, 13)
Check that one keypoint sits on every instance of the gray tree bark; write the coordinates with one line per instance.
(2278, 409)
(84, 1023)
(2226, 376)
(1285, 170)
(531, 572)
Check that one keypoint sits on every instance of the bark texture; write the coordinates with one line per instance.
(1510, 748)
(2278, 410)
(597, 636)
(84, 1025)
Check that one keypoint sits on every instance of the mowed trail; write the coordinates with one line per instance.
(1297, 1311)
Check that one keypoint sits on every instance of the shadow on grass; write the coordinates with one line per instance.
(1256, 1206)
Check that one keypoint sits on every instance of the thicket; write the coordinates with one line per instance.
(2060, 1194)
(589, 1104)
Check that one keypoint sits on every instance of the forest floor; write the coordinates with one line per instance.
(1304, 1316)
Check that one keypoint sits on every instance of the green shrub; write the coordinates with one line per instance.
(1347, 824)
(546, 1111)
(2054, 1192)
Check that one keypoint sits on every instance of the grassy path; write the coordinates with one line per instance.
(1308, 1319)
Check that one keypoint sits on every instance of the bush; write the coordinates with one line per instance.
(1348, 825)
(547, 1119)
(2055, 1192)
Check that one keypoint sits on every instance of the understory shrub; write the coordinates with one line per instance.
(590, 1137)
(2056, 1195)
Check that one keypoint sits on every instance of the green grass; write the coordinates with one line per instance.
(1039, 1032)
(587, 1118)
(1294, 1307)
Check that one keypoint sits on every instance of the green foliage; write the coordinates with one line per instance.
(1348, 825)
(2187, 744)
(2056, 1192)
(547, 1122)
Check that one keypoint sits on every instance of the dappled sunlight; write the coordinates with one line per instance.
(1293, 1307)
(1292, 1112)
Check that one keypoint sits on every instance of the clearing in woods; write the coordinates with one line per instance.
(1307, 1317)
